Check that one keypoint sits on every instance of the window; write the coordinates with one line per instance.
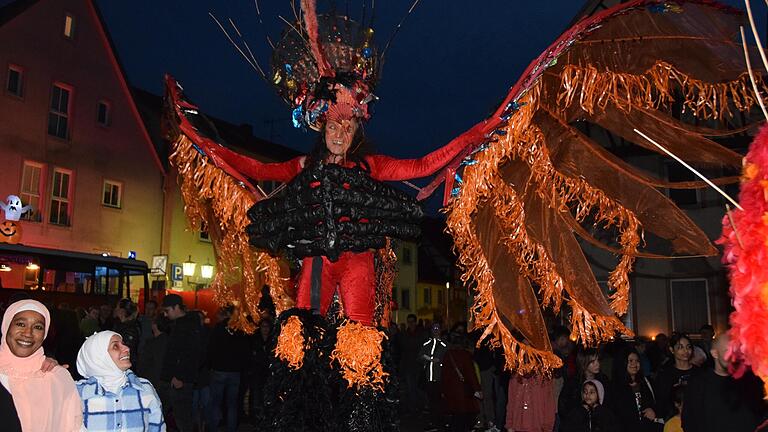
(69, 26)
(102, 113)
(15, 83)
(406, 299)
(205, 236)
(113, 194)
(690, 304)
(440, 297)
(407, 256)
(60, 195)
(427, 296)
(58, 116)
(31, 190)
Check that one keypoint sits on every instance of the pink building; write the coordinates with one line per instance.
(72, 142)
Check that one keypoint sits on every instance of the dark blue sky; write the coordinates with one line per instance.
(451, 63)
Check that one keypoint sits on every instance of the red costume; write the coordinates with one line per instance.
(352, 274)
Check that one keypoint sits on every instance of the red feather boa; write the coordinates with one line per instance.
(746, 253)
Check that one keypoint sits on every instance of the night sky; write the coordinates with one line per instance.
(449, 66)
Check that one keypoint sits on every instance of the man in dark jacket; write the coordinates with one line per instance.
(228, 350)
(715, 401)
(182, 361)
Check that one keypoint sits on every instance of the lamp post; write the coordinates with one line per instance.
(447, 303)
(188, 268)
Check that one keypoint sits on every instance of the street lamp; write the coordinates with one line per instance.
(447, 302)
(206, 270)
(188, 267)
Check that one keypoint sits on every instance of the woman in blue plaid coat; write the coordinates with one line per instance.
(114, 398)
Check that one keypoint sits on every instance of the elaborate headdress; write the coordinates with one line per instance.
(325, 68)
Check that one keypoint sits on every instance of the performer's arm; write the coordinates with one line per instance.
(257, 170)
(385, 168)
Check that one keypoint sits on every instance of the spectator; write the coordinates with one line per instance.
(587, 368)
(633, 399)
(707, 333)
(459, 383)
(127, 325)
(530, 405)
(151, 358)
(146, 320)
(105, 317)
(490, 381)
(43, 402)
(658, 352)
(675, 424)
(562, 347)
(677, 372)
(227, 352)
(90, 324)
(114, 398)
(590, 415)
(410, 342)
(641, 345)
(181, 362)
(261, 354)
(431, 355)
(715, 401)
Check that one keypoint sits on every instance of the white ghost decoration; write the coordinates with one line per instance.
(13, 209)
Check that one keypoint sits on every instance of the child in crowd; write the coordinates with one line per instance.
(591, 416)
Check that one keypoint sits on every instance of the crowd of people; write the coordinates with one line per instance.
(668, 384)
(167, 369)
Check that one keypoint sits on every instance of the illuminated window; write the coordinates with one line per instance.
(113, 194)
(102, 113)
(60, 197)
(15, 82)
(31, 188)
(58, 116)
(69, 26)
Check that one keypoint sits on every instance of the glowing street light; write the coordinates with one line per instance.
(206, 270)
(188, 267)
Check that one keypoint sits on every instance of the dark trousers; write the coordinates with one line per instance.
(224, 388)
(180, 402)
(435, 398)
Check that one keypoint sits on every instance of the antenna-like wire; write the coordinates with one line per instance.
(261, 23)
(397, 29)
(254, 64)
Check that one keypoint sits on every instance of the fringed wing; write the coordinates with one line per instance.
(522, 198)
(216, 197)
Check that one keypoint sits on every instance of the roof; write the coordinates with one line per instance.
(240, 137)
(13, 9)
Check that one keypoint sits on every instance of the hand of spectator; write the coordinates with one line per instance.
(649, 414)
(177, 384)
(49, 364)
(478, 395)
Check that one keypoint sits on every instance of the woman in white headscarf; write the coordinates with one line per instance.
(114, 398)
(44, 401)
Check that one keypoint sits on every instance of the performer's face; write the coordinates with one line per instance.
(339, 135)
